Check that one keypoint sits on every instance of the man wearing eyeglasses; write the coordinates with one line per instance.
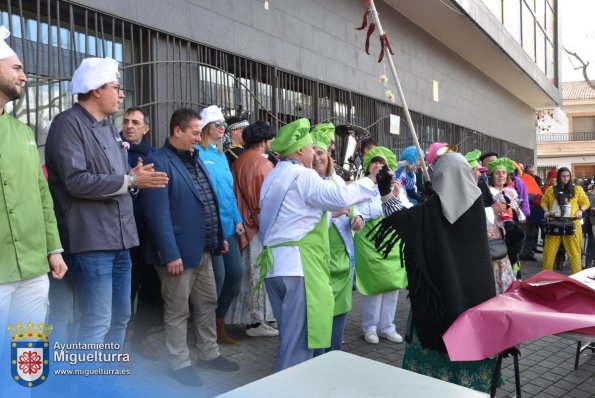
(90, 179)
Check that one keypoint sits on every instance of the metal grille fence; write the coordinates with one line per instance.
(544, 169)
(161, 72)
(565, 137)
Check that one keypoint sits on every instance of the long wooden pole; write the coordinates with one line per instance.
(391, 63)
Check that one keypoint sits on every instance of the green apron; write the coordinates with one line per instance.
(374, 273)
(314, 253)
(340, 270)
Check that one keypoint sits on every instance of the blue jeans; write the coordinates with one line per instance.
(288, 299)
(337, 336)
(102, 287)
(228, 275)
(63, 313)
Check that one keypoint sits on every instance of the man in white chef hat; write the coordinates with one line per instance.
(29, 241)
(90, 180)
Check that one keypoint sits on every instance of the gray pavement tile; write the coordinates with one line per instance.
(550, 376)
(565, 385)
(546, 395)
(555, 391)
(532, 388)
(567, 364)
(537, 369)
(560, 371)
(587, 391)
(579, 394)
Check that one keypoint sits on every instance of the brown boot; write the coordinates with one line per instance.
(222, 336)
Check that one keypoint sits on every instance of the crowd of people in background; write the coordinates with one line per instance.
(232, 222)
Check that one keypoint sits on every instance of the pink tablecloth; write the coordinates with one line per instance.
(545, 304)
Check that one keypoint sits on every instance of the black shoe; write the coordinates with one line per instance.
(219, 363)
(186, 376)
(536, 250)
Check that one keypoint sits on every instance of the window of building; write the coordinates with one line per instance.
(583, 124)
(495, 6)
(550, 23)
(540, 49)
(532, 23)
(583, 170)
(512, 18)
(540, 12)
(528, 31)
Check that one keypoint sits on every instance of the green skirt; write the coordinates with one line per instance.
(472, 374)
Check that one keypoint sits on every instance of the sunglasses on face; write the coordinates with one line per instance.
(220, 124)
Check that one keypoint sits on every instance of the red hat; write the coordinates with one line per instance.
(552, 174)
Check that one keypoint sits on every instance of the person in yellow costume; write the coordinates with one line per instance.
(294, 232)
(576, 197)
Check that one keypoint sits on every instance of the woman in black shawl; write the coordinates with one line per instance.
(445, 250)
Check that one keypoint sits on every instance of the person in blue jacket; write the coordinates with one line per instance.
(228, 267)
(183, 233)
(145, 281)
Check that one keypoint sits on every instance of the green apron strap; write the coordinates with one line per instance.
(264, 261)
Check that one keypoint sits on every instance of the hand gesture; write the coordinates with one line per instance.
(384, 180)
(396, 188)
(357, 223)
(145, 176)
(57, 265)
(225, 248)
(175, 267)
(499, 207)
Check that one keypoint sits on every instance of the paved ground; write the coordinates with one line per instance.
(546, 364)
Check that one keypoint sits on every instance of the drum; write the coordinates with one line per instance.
(559, 227)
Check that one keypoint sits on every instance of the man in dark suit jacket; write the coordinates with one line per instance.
(183, 230)
(90, 179)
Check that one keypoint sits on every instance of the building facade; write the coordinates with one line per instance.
(570, 141)
(473, 71)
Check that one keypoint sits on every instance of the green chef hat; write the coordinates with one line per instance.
(501, 163)
(325, 128)
(473, 157)
(292, 137)
(385, 153)
(322, 137)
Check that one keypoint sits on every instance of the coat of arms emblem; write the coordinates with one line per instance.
(30, 353)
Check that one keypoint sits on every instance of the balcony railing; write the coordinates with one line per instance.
(566, 137)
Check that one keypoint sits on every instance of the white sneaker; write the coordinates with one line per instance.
(371, 337)
(274, 325)
(269, 327)
(262, 331)
(392, 336)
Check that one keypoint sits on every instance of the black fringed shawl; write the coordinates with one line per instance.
(448, 265)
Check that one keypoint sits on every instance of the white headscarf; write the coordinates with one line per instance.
(454, 184)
